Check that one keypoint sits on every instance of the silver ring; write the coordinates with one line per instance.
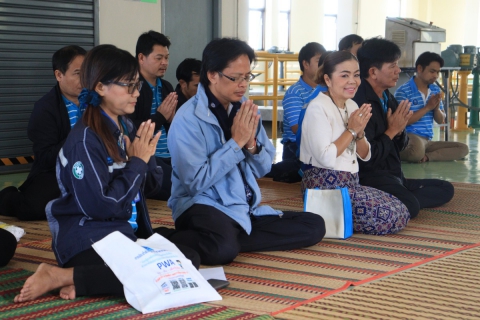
(361, 114)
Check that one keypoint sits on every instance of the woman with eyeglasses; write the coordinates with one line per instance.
(333, 141)
(101, 171)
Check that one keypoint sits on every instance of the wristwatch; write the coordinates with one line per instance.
(353, 133)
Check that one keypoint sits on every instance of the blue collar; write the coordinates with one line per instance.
(305, 85)
(158, 84)
(413, 85)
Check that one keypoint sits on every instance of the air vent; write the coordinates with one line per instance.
(399, 37)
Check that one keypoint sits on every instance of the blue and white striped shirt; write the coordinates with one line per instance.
(424, 126)
(162, 149)
(293, 101)
(74, 111)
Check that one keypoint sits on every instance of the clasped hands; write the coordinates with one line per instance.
(245, 125)
(359, 118)
(169, 106)
(145, 142)
(398, 120)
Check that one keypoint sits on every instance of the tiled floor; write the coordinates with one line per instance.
(456, 171)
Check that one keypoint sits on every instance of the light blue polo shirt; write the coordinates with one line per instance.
(293, 101)
(424, 126)
(162, 149)
(74, 111)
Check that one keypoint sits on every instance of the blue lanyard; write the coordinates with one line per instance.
(384, 102)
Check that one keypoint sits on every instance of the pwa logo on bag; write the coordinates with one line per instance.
(166, 264)
(78, 170)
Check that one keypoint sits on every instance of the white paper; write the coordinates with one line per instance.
(213, 273)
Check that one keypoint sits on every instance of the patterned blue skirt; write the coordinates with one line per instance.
(374, 211)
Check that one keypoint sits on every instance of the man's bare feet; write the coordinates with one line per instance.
(68, 292)
(45, 279)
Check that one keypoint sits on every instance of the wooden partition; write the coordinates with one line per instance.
(268, 75)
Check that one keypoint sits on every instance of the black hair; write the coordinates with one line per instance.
(323, 56)
(62, 58)
(375, 52)
(347, 42)
(219, 53)
(308, 51)
(428, 57)
(329, 64)
(186, 67)
(147, 40)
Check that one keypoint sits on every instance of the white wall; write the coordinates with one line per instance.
(122, 21)
(229, 18)
(306, 23)
(347, 18)
(461, 20)
(371, 18)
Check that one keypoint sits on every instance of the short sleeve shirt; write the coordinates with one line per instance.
(74, 111)
(424, 126)
(293, 101)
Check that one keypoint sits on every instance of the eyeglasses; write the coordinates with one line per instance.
(247, 79)
(131, 86)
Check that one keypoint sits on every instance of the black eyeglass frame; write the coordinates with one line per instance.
(238, 79)
(131, 87)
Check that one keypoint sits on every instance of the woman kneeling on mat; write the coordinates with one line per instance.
(101, 171)
(333, 137)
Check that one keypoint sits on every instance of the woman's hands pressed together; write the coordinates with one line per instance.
(359, 118)
(145, 143)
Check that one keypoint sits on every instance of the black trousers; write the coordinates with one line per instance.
(218, 238)
(91, 276)
(414, 193)
(8, 245)
(166, 187)
(29, 203)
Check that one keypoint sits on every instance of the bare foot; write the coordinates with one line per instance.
(45, 279)
(424, 159)
(68, 292)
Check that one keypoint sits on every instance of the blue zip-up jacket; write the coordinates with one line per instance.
(204, 165)
(96, 194)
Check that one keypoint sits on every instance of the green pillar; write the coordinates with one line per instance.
(474, 121)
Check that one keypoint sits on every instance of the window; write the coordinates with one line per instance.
(330, 24)
(256, 24)
(284, 25)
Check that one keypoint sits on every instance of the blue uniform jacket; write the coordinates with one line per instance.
(205, 165)
(96, 194)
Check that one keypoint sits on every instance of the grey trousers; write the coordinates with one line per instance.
(419, 146)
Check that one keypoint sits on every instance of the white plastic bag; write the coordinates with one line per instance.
(16, 231)
(335, 207)
(154, 273)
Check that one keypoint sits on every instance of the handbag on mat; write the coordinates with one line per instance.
(154, 273)
(335, 207)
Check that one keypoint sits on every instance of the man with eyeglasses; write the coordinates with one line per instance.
(157, 102)
(219, 148)
(50, 122)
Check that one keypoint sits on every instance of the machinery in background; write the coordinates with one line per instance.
(465, 57)
(413, 37)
